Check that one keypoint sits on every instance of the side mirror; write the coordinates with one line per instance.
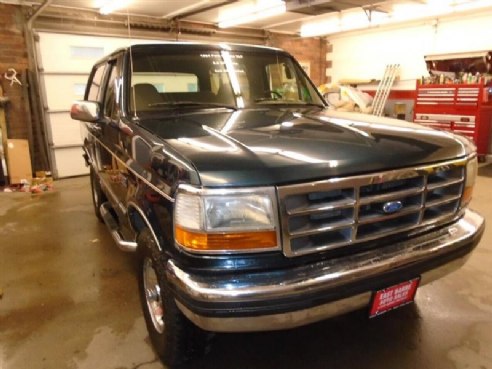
(86, 111)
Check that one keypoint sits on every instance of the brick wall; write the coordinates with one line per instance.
(13, 54)
(311, 50)
(329, 62)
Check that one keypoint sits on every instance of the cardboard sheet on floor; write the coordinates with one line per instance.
(18, 161)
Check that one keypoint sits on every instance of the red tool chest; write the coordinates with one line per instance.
(462, 108)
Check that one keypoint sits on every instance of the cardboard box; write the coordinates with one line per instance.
(18, 161)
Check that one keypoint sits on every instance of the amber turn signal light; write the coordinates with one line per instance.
(240, 241)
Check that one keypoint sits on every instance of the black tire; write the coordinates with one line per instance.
(98, 196)
(175, 339)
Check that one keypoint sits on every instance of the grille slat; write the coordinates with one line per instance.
(309, 209)
(375, 218)
(450, 182)
(391, 196)
(312, 231)
(380, 233)
(441, 201)
(337, 213)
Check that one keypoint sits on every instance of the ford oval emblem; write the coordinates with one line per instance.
(392, 207)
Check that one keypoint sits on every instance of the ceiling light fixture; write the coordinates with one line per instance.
(402, 12)
(349, 20)
(325, 27)
(109, 6)
(470, 5)
(260, 10)
(355, 20)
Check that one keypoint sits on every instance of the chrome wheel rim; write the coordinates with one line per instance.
(153, 295)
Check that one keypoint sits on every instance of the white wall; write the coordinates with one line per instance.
(364, 55)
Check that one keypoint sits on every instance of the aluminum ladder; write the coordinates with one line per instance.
(384, 87)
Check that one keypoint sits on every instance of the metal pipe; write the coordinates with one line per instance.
(37, 13)
(150, 33)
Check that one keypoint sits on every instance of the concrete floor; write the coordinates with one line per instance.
(69, 300)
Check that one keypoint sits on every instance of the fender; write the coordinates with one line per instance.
(138, 220)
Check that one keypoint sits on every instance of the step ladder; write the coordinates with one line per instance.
(384, 87)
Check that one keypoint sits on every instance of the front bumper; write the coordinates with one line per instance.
(289, 298)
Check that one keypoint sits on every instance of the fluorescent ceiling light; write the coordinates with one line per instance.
(109, 6)
(440, 2)
(402, 12)
(470, 5)
(325, 27)
(345, 21)
(355, 20)
(378, 18)
(260, 9)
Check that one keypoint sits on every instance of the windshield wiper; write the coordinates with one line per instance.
(314, 104)
(267, 99)
(191, 104)
(272, 100)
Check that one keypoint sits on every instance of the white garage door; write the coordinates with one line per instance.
(65, 62)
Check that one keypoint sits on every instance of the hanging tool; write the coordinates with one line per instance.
(11, 75)
(384, 88)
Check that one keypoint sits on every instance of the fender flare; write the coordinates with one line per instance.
(138, 220)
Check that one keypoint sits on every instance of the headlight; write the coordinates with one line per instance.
(470, 177)
(226, 220)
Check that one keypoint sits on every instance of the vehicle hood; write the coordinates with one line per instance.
(257, 147)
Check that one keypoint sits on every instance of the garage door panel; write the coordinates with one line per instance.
(79, 53)
(66, 61)
(64, 130)
(69, 162)
(62, 90)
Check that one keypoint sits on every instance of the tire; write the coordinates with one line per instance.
(98, 196)
(175, 339)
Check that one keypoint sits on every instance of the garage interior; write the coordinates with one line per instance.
(68, 296)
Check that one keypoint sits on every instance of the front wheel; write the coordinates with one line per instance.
(174, 337)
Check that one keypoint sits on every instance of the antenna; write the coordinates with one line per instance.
(131, 62)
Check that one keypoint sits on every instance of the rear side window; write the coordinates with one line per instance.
(95, 90)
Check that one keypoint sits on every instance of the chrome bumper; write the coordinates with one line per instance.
(325, 275)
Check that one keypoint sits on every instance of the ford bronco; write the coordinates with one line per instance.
(251, 205)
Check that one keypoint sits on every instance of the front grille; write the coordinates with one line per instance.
(329, 214)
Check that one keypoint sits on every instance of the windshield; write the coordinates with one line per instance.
(216, 79)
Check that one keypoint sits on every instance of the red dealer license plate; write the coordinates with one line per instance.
(393, 297)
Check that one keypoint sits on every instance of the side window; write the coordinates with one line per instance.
(281, 79)
(95, 92)
(111, 99)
